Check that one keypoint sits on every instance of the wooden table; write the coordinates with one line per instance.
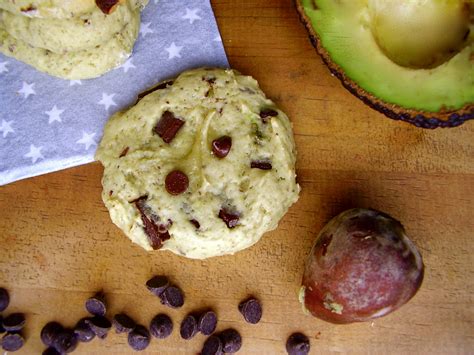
(58, 244)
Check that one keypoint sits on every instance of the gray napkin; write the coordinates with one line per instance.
(48, 124)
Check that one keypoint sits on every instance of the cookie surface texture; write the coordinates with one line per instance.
(83, 64)
(227, 201)
(56, 8)
(63, 35)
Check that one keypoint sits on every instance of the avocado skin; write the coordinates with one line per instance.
(422, 119)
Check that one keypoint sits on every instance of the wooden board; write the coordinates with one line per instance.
(58, 245)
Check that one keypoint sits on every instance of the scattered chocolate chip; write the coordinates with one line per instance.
(123, 323)
(65, 341)
(49, 332)
(161, 326)
(4, 299)
(161, 86)
(176, 182)
(221, 146)
(2, 330)
(212, 346)
(261, 164)
(189, 327)
(207, 322)
(14, 322)
(157, 284)
(297, 344)
(168, 126)
(172, 297)
(195, 223)
(124, 152)
(100, 326)
(156, 234)
(51, 351)
(106, 6)
(266, 114)
(230, 219)
(251, 310)
(12, 341)
(231, 340)
(83, 331)
(139, 338)
(96, 306)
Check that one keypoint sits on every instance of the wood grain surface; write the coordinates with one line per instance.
(58, 245)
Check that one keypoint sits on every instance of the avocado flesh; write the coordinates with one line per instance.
(344, 30)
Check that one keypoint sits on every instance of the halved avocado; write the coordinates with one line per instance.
(412, 60)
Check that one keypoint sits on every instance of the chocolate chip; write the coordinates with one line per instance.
(230, 219)
(221, 146)
(161, 326)
(65, 341)
(176, 182)
(207, 322)
(100, 326)
(14, 322)
(212, 346)
(261, 164)
(297, 344)
(251, 310)
(189, 327)
(4, 299)
(49, 332)
(172, 297)
(2, 330)
(157, 284)
(195, 223)
(96, 305)
(123, 323)
(106, 6)
(156, 234)
(168, 126)
(12, 341)
(266, 114)
(231, 340)
(124, 152)
(83, 331)
(139, 338)
(51, 351)
(161, 86)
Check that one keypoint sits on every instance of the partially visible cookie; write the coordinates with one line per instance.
(61, 8)
(64, 35)
(75, 64)
(202, 166)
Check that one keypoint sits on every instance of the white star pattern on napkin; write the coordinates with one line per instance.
(107, 101)
(34, 153)
(191, 15)
(6, 128)
(127, 65)
(48, 123)
(3, 67)
(87, 140)
(174, 51)
(54, 114)
(27, 89)
(145, 28)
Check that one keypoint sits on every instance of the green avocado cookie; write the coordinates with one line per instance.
(83, 64)
(202, 166)
(63, 35)
(58, 8)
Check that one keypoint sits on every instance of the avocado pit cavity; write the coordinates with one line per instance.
(420, 34)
